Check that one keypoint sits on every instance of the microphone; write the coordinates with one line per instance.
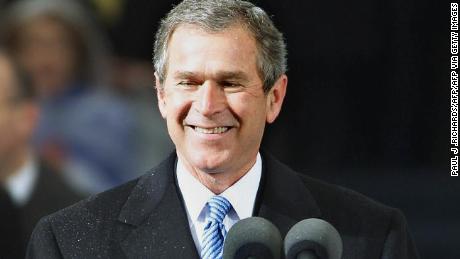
(313, 239)
(254, 238)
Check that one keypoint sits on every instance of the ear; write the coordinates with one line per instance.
(275, 98)
(161, 96)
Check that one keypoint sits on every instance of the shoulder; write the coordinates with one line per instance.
(103, 206)
(82, 229)
(349, 211)
(369, 229)
(92, 225)
(335, 201)
(330, 198)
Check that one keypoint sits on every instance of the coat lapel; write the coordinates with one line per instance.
(153, 222)
(283, 198)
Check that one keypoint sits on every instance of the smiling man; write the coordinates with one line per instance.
(220, 78)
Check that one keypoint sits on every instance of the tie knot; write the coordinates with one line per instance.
(218, 207)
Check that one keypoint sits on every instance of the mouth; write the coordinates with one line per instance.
(215, 130)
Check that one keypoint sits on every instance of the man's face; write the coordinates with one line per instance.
(47, 52)
(213, 100)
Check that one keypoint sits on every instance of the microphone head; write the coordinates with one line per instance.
(313, 235)
(253, 237)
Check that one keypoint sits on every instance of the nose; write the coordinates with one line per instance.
(211, 99)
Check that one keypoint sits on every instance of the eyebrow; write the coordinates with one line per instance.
(221, 75)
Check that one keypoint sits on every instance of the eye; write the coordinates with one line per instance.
(187, 84)
(230, 84)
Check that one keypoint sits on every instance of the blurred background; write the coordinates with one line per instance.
(367, 104)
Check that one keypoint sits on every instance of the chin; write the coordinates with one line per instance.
(209, 162)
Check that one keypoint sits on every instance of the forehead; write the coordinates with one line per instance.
(191, 47)
(45, 25)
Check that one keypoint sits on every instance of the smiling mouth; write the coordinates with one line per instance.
(216, 130)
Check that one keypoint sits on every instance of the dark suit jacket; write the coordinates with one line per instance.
(145, 218)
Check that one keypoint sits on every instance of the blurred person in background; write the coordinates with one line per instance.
(10, 227)
(131, 70)
(86, 130)
(29, 188)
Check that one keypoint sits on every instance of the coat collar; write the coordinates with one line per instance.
(153, 218)
(148, 193)
(283, 197)
(154, 222)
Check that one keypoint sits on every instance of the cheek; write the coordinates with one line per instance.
(249, 108)
(6, 124)
(9, 130)
(177, 106)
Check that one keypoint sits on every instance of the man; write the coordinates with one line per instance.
(32, 188)
(220, 77)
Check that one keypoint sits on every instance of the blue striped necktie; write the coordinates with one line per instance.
(214, 230)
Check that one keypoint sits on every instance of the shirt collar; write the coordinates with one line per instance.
(241, 194)
(21, 184)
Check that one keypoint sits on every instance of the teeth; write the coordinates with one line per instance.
(216, 130)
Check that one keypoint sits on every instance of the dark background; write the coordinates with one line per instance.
(367, 104)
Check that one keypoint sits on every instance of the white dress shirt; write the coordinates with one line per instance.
(21, 184)
(241, 195)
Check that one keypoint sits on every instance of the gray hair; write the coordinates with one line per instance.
(216, 16)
